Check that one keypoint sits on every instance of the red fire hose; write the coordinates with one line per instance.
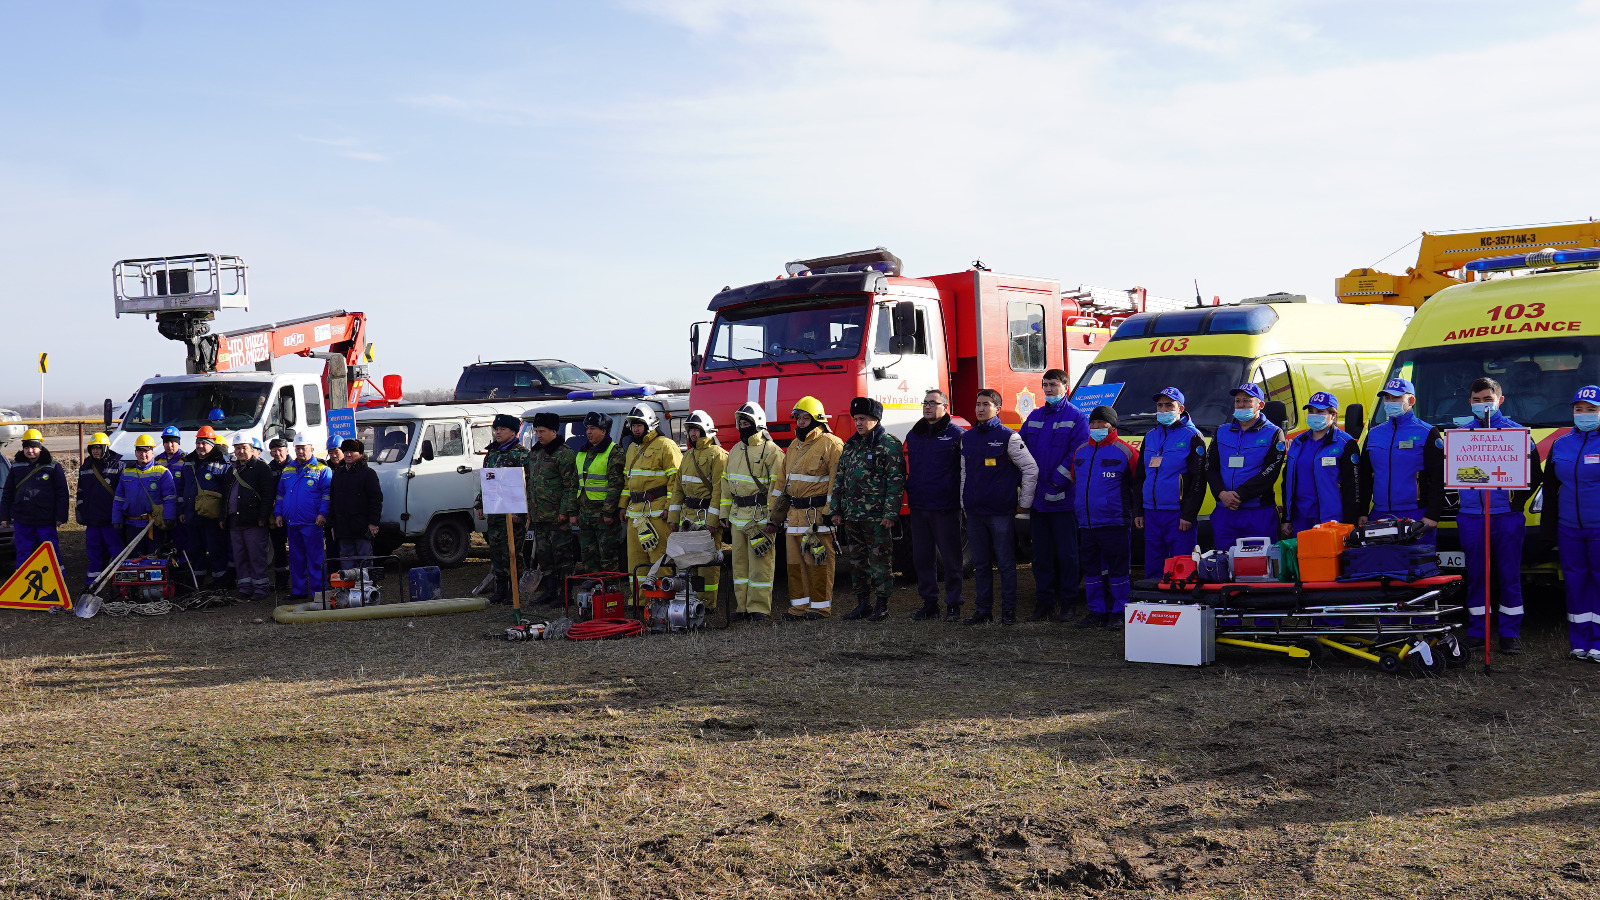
(597, 629)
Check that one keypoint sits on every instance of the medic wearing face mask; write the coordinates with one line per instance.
(1243, 466)
(1319, 475)
(1507, 528)
(1389, 475)
(1571, 519)
(1173, 457)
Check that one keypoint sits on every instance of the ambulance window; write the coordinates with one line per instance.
(313, 398)
(1333, 376)
(1025, 324)
(1273, 376)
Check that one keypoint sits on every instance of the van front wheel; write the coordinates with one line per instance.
(444, 544)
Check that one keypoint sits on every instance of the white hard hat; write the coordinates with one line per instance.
(641, 413)
(301, 439)
(702, 420)
(238, 438)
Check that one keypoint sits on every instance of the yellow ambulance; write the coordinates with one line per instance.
(1533, 326)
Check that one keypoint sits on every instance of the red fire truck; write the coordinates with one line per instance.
(852, 325)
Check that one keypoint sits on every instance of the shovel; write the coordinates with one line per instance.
(89, 602)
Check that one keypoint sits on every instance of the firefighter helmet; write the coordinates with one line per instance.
(812, 407)
(702, 420)
(144, 442)
(751, 412)
(641, 413)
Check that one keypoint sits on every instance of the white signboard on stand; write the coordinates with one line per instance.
(505, 491)
(1488, 458)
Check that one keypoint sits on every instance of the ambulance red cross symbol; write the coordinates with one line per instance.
(1499, 473)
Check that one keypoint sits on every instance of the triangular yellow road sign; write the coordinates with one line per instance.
(37, 583)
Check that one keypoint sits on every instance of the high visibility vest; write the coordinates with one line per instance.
(592, 480)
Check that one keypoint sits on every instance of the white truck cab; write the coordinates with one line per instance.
(427, 457)
(263, 405)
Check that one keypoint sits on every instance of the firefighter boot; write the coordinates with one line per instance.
(862, 610)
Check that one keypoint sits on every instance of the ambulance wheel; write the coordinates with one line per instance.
(1315, 648)
(1388, 662)
(1425, 669)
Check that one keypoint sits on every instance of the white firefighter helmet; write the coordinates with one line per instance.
(641, 413)
(751, 412)
(702, 420)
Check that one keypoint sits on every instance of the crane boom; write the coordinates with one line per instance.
(341, 333)
(1444, 252)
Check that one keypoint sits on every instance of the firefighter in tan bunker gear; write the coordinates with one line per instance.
(650, 501)
(748, 490)
(700, 478)
(800, 505)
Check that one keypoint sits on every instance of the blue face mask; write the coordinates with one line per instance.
(1394, 408)
(1098, 434)
(1244, 415)
(1586, 421)
(1167, 418)
(1318, 422)
(1479, 410)
(1055, 401)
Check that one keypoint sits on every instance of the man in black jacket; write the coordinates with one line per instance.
(252, 487)
(278, 449)
(35, 497)
(355, 501)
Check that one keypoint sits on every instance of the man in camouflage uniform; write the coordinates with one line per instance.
(505, 453)
(700, 477)
(598, 467)
(867, 485)
(552, 505)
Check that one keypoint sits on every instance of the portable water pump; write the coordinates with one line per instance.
(674, 607)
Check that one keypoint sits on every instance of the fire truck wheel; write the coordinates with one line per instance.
(444, 544)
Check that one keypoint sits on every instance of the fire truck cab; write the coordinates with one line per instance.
(853, 325)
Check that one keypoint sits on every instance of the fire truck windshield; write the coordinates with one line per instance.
(1539, 377)
(1204, 380)
(186, 404)
(788, 331)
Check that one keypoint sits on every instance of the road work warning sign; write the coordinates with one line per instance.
(37, 583)
(1490, 458)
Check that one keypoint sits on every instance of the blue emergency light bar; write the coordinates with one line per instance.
(612, 394)
(1546, 257)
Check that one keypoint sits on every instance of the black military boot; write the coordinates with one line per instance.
(880, 610)
(862, 610)
(952, 613)
(928, 611)
(1040, 614)
(978, 618)
(502, 590)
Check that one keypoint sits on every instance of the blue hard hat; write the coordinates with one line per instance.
(1251, 388)
(1322, 400)
(333, 442)
(255, 442)
(216, 415)
(1171, 393)
(1589, 393)
(171, 432)
(1398, 387)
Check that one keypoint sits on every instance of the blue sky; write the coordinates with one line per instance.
(576, 179)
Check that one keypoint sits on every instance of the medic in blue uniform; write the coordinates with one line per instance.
(1173, 464)
(1319, 472)
(1106, 484)
(1243, 466)
(1571, 519)
(1389, 475)
(1507, 527)
(1052, 432)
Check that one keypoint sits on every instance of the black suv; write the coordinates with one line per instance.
(523, 379)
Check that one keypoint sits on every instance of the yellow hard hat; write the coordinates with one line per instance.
(99, 439)
(145, 440)
(32, 434)
(812, 407)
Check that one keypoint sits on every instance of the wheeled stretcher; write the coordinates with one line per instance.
(1392, 624)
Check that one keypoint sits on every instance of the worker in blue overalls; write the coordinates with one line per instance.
(1319, 473)
(1507, 528)
(302, 508)
(1105, 495)
(1570, 519)
(1173, 459)
(1242, 467)
(1389, 474)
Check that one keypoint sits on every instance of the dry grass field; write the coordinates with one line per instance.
(218, 754)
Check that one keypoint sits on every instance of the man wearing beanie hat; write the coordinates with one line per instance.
(552, 505)
(1106, 487)
(870, 479)
(505, 453)
(355, 501)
